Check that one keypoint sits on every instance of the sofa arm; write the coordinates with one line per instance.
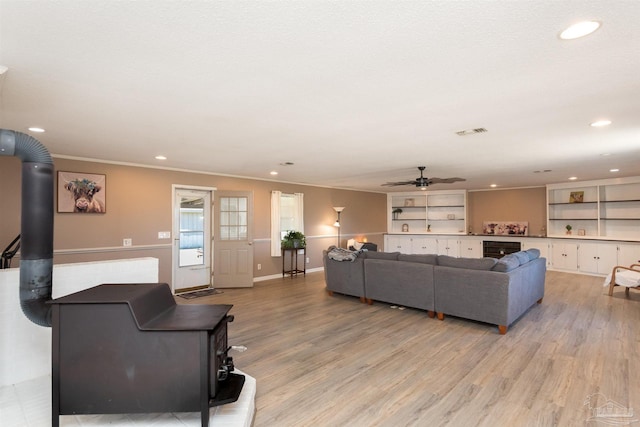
(472, 294)
(344, 277)
(489, 296)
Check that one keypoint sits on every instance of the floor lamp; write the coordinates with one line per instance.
(338, 209)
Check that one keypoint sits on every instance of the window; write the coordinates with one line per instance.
(233, 218)
(287, 213)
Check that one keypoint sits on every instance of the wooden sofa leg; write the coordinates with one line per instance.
(539, 301)
(502, 329)
(330, 292)
(363, 300)
(369, 301)
(431, 313)
(440, 316)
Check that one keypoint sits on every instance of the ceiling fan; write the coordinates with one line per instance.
(423, 182)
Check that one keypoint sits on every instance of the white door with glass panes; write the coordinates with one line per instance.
(233, 239)
(191, 238)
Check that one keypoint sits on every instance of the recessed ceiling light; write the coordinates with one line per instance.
(580, 29)
(614, 170)
(493, 185)
(573, 178)
(600, 123)
(161, 157)
(273, 172)
(37, 130)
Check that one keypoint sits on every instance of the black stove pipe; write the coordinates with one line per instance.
(36, 253)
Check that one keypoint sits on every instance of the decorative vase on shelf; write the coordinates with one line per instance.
(568, 227)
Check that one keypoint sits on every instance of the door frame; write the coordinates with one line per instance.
(175, 252)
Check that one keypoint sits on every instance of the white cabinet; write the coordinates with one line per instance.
(449, 247)
(598, 258)
(410, 244)
(628, 253)
(424, 245)
(564, 256)
(400, 244)
(541, 244)
(607, 209)
(437, 212)
(417, 244)
(471, 248)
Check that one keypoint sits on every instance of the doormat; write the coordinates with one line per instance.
(198, 294)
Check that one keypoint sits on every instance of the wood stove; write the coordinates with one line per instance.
(129, 348)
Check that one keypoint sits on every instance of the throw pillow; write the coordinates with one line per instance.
(522, 257)
(533, 253)
(507, 263)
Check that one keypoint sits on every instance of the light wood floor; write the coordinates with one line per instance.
(333, 361)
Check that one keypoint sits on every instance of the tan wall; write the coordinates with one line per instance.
(138, 206)
(525, 204)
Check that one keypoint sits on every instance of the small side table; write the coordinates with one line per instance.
(293, 263)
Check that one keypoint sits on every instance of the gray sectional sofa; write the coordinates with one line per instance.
(486, 289)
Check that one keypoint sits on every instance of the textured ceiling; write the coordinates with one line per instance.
(355, 94)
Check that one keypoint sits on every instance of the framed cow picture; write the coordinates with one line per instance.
(82, 192)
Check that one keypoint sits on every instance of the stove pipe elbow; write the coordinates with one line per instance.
(36, 229)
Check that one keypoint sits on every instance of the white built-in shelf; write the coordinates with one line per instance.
(442, 212)
(605, 209)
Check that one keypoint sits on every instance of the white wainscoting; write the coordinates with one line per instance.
(25, 348)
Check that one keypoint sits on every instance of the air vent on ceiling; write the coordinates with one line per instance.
(471, 131)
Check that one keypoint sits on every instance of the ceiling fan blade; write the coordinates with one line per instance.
(445, 180)
(393, 184)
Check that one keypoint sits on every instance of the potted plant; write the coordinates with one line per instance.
(293, 240)
(396, 212)
(568, 227)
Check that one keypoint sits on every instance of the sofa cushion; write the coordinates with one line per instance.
(522, 257)
(380, 255)
(424, 259)
(507, 263)
(533, 253)
(469, 263)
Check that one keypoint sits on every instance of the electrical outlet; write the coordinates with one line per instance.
(127, 242)
(259, 266)
(164, 234)
(307, 260)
